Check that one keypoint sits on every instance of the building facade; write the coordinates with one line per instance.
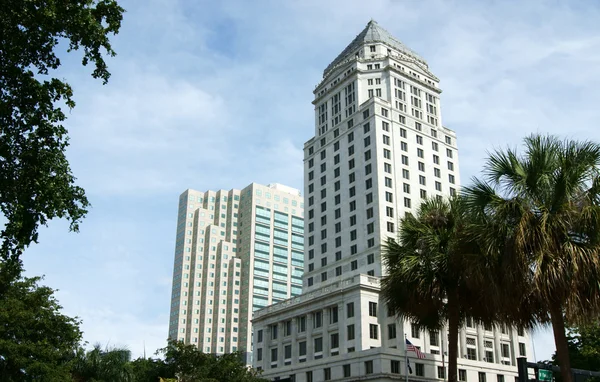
(235, 252)
(379, 149)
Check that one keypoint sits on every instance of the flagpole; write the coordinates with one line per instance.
(443, 356)
(406, 356)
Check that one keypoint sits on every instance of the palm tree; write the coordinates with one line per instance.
(431, 271)
(98, 365)
(541, 214)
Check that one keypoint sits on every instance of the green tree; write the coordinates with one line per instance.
(584, 346)
(36, 182)
(429, 269)
(37, 342)
(189, 364)
(150, 370)
(542, 221)
(103, 365)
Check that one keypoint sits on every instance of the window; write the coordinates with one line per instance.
(405, 174)
(372, 309)
(419, 139)
(390, 227)
(318, 317)
(434, 338)
(368, 367)
(407, 202)
(373, 331)
(302, 348)
(350, 332)
(462, 375)
(421, 166)
(287, 352)
(481, 376)
(274, 355)
(441, 372)
(451, 178)
(391, 331)
(318, 343)
(500, 378)
(489, 356)
(419, 370)
(333, 315)
(354, 265)
(259, 336)
(309, 376)
(274, 332)
(386, 140)
(414, 331)
(350, 310)
(346, 371)
(505, 350)
(259, 354)
(448, 140)
(522, 350)
(388, 182)
(434, 146)
(471, 353)
(287, 328)
(334, 341)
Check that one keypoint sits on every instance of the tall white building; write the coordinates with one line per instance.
(236, 252)
(379, 149)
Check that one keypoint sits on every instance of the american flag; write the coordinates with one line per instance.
(411, 347)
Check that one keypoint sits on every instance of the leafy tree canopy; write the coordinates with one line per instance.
(36, 182)
(189, 364)
(37, 342)
(584, 347)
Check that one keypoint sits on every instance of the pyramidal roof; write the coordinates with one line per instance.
(372, 33)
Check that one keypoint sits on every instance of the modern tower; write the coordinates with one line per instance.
(235, 252)
(379, 149)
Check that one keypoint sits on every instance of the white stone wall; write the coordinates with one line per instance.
(362, 290)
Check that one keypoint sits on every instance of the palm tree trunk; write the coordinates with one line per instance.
(453, 322)
(560, 340)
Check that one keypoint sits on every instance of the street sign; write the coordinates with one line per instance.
(545, 375)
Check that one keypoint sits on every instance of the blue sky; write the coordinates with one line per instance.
(234, 80)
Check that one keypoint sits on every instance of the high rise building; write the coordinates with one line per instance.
(235, 252)
(379, 149)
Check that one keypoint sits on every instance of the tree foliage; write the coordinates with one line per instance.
(541, 219)
(189, 364)
(36, 182)
(103, 365)
(435, 273)
(37, 342)
(584, 347)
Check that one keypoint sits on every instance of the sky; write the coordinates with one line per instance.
(216, 95)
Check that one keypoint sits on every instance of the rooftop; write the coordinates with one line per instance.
(372, 33)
